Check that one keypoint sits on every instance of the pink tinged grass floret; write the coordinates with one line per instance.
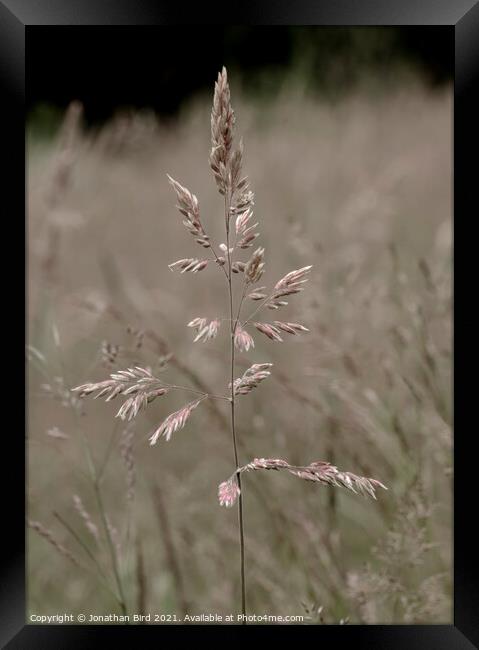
(228, 492)
(243, 340)
(174, 421)
(318, 471)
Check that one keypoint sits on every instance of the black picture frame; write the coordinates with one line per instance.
(17, 17)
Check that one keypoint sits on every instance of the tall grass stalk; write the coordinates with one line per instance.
(233, 403)
(139, 386)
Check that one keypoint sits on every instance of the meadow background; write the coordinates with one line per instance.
(357, 183)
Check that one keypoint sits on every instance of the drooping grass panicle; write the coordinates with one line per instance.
(174, 421)
(129, 409)
(318, 471)
(121, 382)
(138, 383)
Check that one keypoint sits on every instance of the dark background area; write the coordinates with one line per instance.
(145, 66)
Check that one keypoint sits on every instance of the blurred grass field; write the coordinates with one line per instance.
(361, 189)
